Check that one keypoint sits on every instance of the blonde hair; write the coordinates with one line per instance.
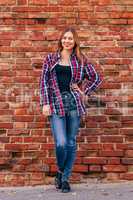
(76, 48)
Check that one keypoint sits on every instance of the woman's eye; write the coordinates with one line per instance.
(64, 38)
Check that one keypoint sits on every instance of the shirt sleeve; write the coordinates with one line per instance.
(92, 78)
(44, 83)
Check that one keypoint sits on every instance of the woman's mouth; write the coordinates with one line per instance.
(66, 45)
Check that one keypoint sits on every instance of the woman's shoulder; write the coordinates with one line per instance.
(85, 58)
(51, 56)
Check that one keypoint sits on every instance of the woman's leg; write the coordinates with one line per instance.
(58, 126)
(72, 127)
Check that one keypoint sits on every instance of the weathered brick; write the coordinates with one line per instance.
(127, 161)
(112, 176)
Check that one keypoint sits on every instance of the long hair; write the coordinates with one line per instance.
(76, 48)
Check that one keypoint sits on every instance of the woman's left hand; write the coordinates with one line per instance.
(83, 96)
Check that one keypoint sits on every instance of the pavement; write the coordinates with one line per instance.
(83, 191)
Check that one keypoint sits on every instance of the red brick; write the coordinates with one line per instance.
(91, 139)
(21, 2)
(108, 146)
(36, 125)
(95, 168)
(16, 140)
(6, 125)
(4, 161)
(110, 131)
(104, 2)
(113, 161)
(47, 146)
(127, 15)
(90, 146)
(36, 2)
(110, 125)
(80, 168)
(69, 2)
(95, 160)
(118, 21)
(53, 168)
(49, 160)
(129, 145)
(129, 153)
(23, 118)
(96, 118)
(126, 131)
(81, 153)
(129, 138)
(112, 111)
(130, 21)
(112, 139)
(4, 139)
(21, 132)
(114, 168)
(120, 146)
(20, 111)
(20, 125)
(111, 153)
(35, 139)
(127, 176)
(7, 2)
(21, 147)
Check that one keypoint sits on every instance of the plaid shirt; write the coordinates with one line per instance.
(49, 89)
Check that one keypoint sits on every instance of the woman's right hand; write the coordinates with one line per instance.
(46, 110)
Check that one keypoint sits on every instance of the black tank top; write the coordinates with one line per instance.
(63, 74)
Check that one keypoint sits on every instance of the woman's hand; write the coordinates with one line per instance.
(83, 96)
(46, 110)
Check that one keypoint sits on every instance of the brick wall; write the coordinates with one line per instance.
(29, 29)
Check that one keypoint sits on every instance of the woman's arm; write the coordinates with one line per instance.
(44, 88)
(44, 83)
(92, 77)
(91, 80)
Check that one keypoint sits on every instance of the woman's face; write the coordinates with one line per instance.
(68, 41)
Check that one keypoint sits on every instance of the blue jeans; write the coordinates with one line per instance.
(65, 129)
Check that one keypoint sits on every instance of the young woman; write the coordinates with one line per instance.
(63, 101)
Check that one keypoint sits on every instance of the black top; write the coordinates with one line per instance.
(63, 74)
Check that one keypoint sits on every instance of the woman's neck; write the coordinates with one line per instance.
(65, 55)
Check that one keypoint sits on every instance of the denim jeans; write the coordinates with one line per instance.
(65, 129)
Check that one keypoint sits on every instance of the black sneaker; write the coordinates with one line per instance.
(58, 182)
(65, 187)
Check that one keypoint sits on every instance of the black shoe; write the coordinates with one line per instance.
(65, 187)
(58, 182)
